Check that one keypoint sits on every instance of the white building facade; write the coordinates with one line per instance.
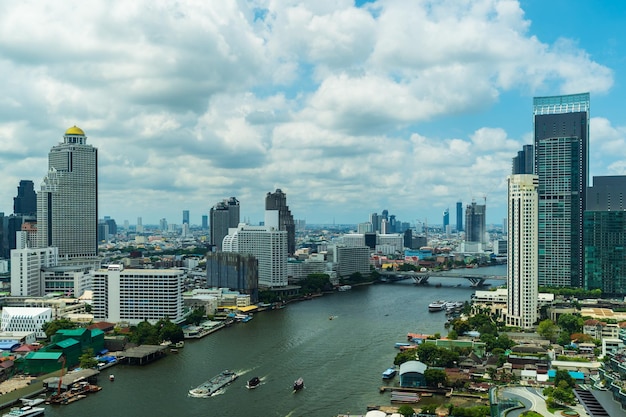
(522, 265)
(26, 266)
(25, 319)
(135, 295)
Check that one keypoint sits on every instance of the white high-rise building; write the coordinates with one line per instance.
(522, 262)
(135, 295)
(25, 319)
(67, 204)
(26, 266)
(268, 245)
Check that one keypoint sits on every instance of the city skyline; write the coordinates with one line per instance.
(348, 108)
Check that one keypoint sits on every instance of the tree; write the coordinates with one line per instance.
(169, 331)
(548, 330)
(406, 410)
(570, 323)
(565, 377)
(87, 359)
(197, 316)
(407, 355)
(51, 327)
(145, 333)
(434, 377)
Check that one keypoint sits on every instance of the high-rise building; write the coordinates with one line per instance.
(235, 271)
(446, 220)
(185, 216)
(223, 216)
(524, 162)
(25, 203)
(278, 201)
(268, 245)
(605, 236)
(375, 220)
(27, 264)
(139, 228)
(459, 216)
(561, 125)
(475, 222)
(522, 283)
(67, 204)
(205, 222)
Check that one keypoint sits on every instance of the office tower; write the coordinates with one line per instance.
(126, 225)
(223, 216)
(205, 222)
(524, 162)
(278, 201)
(139, 228)
(268, 245)
(475, 223)
(67, 204)
(522, 283)
(446, 220)
(26, 201)
(364, 227)
(27, 264)
(459, 216)
(385, 215)
(235, 271)
(561, 125)
(351, 260)
(135, 295)
(605, 236)
(163, 225)
(185, 216)
(375, 220)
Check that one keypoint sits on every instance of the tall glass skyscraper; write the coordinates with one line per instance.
(459, 216)
(561, 163)
(278, 201)
(67, 204)
(223, 216)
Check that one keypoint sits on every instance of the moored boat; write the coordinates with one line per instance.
(298, 384)
(389, 373)
(211, 386)
(253, 383)
(438, 305)
(26, 411)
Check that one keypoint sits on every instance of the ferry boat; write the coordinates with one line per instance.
(389, 373)
(253, 383)
(211, 386)
(345, 288)
(27, 411)
(438, 305)
(298, 384)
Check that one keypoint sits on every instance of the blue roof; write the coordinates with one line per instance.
(9, 345)
(573, 374)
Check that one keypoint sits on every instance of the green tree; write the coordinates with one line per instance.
(87, 359)
(51, 327)
(434, 377)
(548, 330)
(570, 323)
(407, 355)
(406, 410)
(197, 316)
(169, 331)
(145, 334)
(565, 377)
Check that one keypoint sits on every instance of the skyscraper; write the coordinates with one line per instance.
(524, 162)
(605, 236)
(185, 216)
(223, 216)
(522, 290)
(205, 222)
(26, 201)
(67, 204)
(475, 222)
(446, 220)
(278, 201)
(561, 163)
(459, 216)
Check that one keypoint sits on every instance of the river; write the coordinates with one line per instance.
(340, 360)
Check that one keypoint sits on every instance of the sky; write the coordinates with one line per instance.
(349, 108)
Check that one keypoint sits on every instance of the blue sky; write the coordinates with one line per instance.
(350, 109)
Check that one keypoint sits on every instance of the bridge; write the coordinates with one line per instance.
(422, 277)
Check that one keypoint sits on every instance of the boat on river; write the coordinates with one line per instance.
(438, 305)
(253, 383)
(27, 411)
(298, 384)
(213, 385)
(389, 373)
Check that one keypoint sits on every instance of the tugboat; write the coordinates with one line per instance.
(298, 384)
(253, 383)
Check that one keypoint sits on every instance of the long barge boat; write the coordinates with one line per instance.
(213, 385)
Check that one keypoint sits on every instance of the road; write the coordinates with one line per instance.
(533, 399)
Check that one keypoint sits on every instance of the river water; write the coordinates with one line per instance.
(340, 360)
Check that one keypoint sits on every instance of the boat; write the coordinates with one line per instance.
(111, 377)
(298, 384)
(345, 288)
(253, 383)
(32, 401)
(438, 305)
(389, 373)
(177, 345)
(211, 386)
(27, 411)
(172, 350)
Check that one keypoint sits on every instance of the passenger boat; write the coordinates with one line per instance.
(389, 373)
(298, 384)
(345, 288)
(211, 386)
(438, 305)
(253, 383)
(27, 411)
